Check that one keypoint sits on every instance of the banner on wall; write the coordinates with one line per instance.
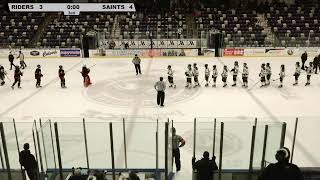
(154, 43)
(70, 52)
(144, 52)
(233, 52)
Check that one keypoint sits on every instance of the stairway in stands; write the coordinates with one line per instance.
(191, 26)
(263, 22)
(49, 17)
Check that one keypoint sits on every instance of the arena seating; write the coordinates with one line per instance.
(238, 26)
(166, 25)
(65, 31)
(295, 25)
(18, 29)
(288, 25)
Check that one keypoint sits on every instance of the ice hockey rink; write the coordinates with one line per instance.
(117, 92)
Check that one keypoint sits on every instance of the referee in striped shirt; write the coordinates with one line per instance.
(160, 86)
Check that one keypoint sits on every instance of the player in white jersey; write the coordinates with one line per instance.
(235, 72)
(189, 75)
(224, 75)
(214, 75)
(22, 62)
(196, 75)
(170, 77)
(262, 75)
(282, 74)
(245, 75)
(268, 75)
(206, 74)
(309, 73)
(297, 73)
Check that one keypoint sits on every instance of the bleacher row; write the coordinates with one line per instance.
(294, 25)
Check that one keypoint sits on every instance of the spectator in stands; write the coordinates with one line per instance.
(304, 58)
(29, 163)
(282, 169)
(136, 61)
(112, 44)
(205, 167)
(316, 61)
(126, 45)
(177, 142)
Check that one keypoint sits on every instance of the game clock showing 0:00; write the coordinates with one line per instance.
(72, 9)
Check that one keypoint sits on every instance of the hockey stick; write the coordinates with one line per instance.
(254, 85)
(8, 77)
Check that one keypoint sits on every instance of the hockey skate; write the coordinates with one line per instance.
(12, 87)
(295, 83)
(170, 86)
(214, 85)
(225, 85)
(307, 84)
(262, 86)
(233, 85)
(206, 85)
(280, 86)
(2, 83)
(174, 86)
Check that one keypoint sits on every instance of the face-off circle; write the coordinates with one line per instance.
(137, 90)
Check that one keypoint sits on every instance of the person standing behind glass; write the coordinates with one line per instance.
(177, 143)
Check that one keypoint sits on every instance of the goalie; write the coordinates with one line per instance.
(85, 74)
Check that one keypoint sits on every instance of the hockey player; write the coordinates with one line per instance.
(170, 77)
(11, 59)
(297, 73)
(189, 75)
(309, 73)
(22, 62)
(38, 75)
(196, 77)
(85, 74)
(235, 72)
(17, 77)
(268, 73)
(245, 74)
(2, 75)
(214, 75)
(316, 61)
(61, 76)
(206, 74)
(282, 74)
(262, 75)
(224, 76)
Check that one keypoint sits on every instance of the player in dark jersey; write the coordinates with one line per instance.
(38, 75)
(17, 77)
(61, 76)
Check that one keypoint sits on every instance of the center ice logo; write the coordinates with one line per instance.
(132, 91)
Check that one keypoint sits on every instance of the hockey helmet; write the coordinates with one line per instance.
(206, 65)
(38, 66)
(60, 66)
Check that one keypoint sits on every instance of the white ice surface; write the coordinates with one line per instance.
(118, 92)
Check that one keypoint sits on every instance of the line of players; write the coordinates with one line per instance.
(265, 75)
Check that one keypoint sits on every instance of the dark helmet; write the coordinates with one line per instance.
(26, 146)
(38, 66)
(169, 66)
(60, 66)
(206, 65)
(214, 66)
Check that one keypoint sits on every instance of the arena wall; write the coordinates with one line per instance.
(108, 53)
